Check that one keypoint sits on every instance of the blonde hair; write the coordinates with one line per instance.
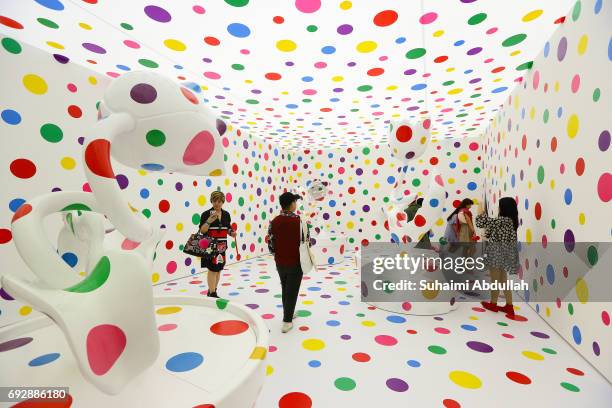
(217, 195)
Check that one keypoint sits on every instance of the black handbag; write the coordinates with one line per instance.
(192, 246)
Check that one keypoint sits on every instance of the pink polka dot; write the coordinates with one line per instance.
(167, 327)
(575, 83)
(385, 340)
(309, 92)
(199, 149)
(492, 30)
(441, 330)
(604, 187)
(245, 52)
(536, 79)
(267, 316)
(406, 306)
(428, 18)
(105, 344)
(605, 318)
(308, 6)
(229, 197)
(131, 44)
(212, 75)
(320, 64)
(171, 267)
(72, 88)
(199, 9)
(129, 245)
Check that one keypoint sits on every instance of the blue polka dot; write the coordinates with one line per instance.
(568, 196)
(418, 87)
(70, 258)
(152, 166)
(291, 106)
(400, 40)
(44, 359)
(413, 363)
(468, 327)
(390, 179)
(550, 274)
(328, 49)
(459, 43)
(51, 4)
(11, 117)
(396, 319)
(238, 30)
(314, 288)
(332, 203)
(208, 183)
(471, 186)
(332, 323)
(610, 49)
(330, 260)
(16, 203)
(597, 7)
(314, 363)
(577, 335)
(546, 49)
(184, 362)
(144, 193)
(500, 89)
(307, 79)
(123, 67)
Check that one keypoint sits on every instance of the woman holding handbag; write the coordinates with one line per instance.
(287, 238)
(216, 225)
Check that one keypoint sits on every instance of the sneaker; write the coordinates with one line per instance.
(286, 327)
(508, 309)
(490, 306)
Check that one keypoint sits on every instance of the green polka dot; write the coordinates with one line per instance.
(549, 350)
(11, 45)
(345, 384)
(437, 349)
(513, 40)
(596, 94)
(312, 28)
(576, 10)
(541, 174)
(570, 387)
(51, 133)
(476, 170)
(477, 18)
(364, 88)
(570, 309)
(524, 66)
(592, 255)
(148, 63)
(146, 212)
(553, 223)
(238, 67)
(416, 182)
(195, 219)
(237, 3)
(545, 116)
(448, 83)
(222, 303)
(366, 151)
(252, 101)
(306, 100)
(127, 26)
(502, 324)
(303, 313)
(47, 23)
(160, 182)
(95, 279)
(156, 137)
(76, 207)
(241, 201)
(415, 53)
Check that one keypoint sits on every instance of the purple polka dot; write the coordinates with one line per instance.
(94, 48)
(562, 49)
(540, 335)
(344, 336)
(221, 127)
(262, 290)
(569, 240)
(15, 343)
(122, 181)
(61, 58)
(397, 385)
(410, 71)
(252, 305)
(5, 295)
(596, 349)
(474, 51)
(345, 29)
(480, 347)
(604, 140)
(157, 14)
(143, 93)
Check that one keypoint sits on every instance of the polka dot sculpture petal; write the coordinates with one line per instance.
(409, 139)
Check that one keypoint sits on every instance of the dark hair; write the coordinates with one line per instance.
(464, 203)
(508, 208)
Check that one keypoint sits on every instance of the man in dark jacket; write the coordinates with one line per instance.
(284, 236)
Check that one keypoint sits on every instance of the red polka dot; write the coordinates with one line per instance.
(361, 357)
(574, 371)
(75, 111)
(433, 161)
(22, 211)
(212, 41)
(403, 133)
(10, 22)
(518, 377)
(164, 206)
(295, 400)
(229, 327)
(273, 76)
(45, 403)
(204, 406)
(580, 166)
(419, 220)
(190, 96)
(538, 211)
(440, 59)
(385, 18)
(376, 71)
(23, 168)
(97, 158)
(5, 235)
(278, 19)
(451, 403)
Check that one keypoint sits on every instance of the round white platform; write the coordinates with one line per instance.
(211, 352)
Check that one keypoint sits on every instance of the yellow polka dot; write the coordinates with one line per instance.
(35, 84)
(175, 45)
(438, 33)
(155, 277)
(451, 180)
(168, 310)
(572, 126)
(318, 165)
(515, 53)
(350, 225)
(528, 237)
(582, 290)
(269, 370)
(286, 45)
(582, 44)
(366, 46)
(92, 80)
(345, 5)
(142, 172)
(532, 15)
(581, 219)
(179, 226)
(430, 294)
(465, 379)
(25, 310)
(313, 344)
(463, 157)
(247, 227)
(216, 172)
(68, 163)
(55, 45)
(307, 302)
(455, 91)
(391, 87)
(552, 184)
(85, 26)
(533, 355)
(368, 323)
(547, 311)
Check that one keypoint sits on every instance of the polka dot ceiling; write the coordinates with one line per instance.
(308, 73)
